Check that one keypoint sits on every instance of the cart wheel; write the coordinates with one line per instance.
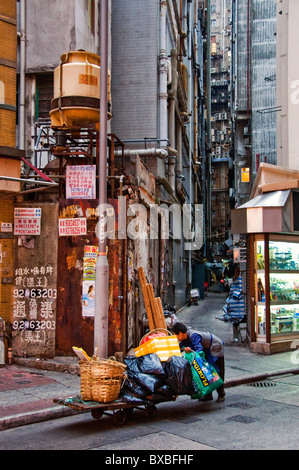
(151, 411)
(97, 413)
(120, 417)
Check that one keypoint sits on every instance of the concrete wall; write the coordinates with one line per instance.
(35, 287)
(53, 28)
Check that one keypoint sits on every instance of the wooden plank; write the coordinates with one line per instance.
(161, 313)
(147, 304)
(151, 295)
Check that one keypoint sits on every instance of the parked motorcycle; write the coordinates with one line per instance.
(194, 297)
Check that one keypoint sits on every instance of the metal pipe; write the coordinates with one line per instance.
(153, 152)
(163, 68)
(24, 180)
(208, 154)
(22, 36)
(102, 268)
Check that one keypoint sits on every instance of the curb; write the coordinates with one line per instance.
(32, 417)
(49, 413)
(256, 378)
(42, 364)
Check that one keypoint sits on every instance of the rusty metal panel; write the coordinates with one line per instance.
(74, 329)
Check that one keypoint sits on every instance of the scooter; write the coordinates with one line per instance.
(193, 297)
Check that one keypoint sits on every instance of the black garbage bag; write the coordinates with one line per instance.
(148, 364)
(179, 376)
(147, 381)
(131, 387)
(165, 391)
(134, 400)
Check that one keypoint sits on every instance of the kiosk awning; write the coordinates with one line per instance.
(266, 213)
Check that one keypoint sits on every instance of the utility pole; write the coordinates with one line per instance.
(102, 268)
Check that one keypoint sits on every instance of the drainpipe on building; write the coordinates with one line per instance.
(163, 69)
(191, 192)
(172, 94)
(22, 36)
(102, 268)
(208, 153)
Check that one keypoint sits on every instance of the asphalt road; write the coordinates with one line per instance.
(260, 417)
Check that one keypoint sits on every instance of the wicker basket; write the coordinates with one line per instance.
(85, 368)
(101, 380)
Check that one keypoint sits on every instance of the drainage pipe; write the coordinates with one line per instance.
(22, 35)
(102, 268)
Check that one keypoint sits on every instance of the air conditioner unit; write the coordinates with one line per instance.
(213, 70)
(224, 116)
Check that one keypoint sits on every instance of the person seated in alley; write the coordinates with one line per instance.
(210, 344)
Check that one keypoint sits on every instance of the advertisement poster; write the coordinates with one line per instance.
(27, 221)
(88, 286)
(88, 298)
(81, 182)
(75, 226)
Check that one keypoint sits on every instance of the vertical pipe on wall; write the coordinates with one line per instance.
(102, 268)
(190, 103)
(209, 169)
(163, 68)
(22, 35)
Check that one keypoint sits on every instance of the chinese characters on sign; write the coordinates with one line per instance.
(34, 301)
(76, 226)
(81, 182)
(27, 221)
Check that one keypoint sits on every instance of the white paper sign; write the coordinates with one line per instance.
(81, 182)
(27, 226)
(76, 226)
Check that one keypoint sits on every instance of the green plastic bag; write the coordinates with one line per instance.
(205, 377)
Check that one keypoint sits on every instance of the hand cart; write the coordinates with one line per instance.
(119, 408)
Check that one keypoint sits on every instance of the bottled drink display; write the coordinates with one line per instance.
(283, 287)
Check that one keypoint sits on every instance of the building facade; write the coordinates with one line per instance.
(155, 149)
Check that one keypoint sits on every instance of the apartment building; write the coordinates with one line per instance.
(220, 78)
(154, 155)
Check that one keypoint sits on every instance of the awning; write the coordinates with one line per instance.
(273, 199)
(266, 213)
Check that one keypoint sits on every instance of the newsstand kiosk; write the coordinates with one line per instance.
(270, 221)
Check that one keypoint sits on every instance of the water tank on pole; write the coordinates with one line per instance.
(76, 99)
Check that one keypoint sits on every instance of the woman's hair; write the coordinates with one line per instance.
(179, 328)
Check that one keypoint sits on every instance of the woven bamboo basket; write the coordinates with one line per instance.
(85, 368)
(101, 380)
